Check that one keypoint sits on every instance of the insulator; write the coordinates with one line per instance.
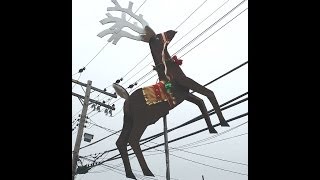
(131, 86)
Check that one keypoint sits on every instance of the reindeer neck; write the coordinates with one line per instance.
(156, 51)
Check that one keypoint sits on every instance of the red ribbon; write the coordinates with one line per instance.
(176, 60)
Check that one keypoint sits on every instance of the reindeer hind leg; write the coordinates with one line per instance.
(199, 102)
(134, 143)
(122, 145)
(191, 84)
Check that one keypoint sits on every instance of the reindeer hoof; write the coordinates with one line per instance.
(212, 130)
(224, 124)
(130, 175)
(148, 173)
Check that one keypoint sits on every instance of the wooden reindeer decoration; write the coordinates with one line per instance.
(147, 105)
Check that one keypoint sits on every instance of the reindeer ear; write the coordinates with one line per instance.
(148, 34)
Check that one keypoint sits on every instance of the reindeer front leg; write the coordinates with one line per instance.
(199, 102)
(191, 84)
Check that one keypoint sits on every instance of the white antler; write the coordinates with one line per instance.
(116, 29)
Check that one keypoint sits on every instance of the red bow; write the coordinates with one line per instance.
(176, 60)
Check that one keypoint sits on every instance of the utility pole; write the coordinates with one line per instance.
(83, 117)
(80, 130)
(166, 147)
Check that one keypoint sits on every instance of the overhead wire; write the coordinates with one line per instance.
(188, 122)
(149, 53)
(214, 32)
(211, 111)
(214, 141)
(189, 43)
(189, 147)
(109, 42)
(114, 157)
(198, 25)
(207, 156)
(175, 29)
(206, 139)
(191, 14)
(102, 49)
(208, 28)
(142, 78)
(176, 139)
(113, 167)
(209, 165)
(203, 163)
(77, 80)
(186, 45)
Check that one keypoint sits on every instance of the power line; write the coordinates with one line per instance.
(215, 141)
(210, 112)
(189, 43)
(216, 22)
(198, 117)
(208, 82)
(197, 154)
(199, 131)
(137, 72)
(204, 163)
(186, 44)
(77, 80)
(81, 70)
(113, 167)
(211, 157)
(198, 24)
(182, 137)
(149, 52)
(190, 15)
(184, 124)
(214, 32)
(209, 165)
(179, 149)
(107, 42)
(189, 147)
(189, 122)
(206, 139)
(230, 71)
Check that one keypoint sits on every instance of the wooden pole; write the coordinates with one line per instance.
(166, 147)
(94, 88)
(80, 130)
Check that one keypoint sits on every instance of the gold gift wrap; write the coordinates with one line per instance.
(157, 93)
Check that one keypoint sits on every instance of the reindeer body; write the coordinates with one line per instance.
(137, 113)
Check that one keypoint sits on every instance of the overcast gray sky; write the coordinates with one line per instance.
(221, 52)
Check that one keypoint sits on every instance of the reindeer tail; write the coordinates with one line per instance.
(122, 92)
